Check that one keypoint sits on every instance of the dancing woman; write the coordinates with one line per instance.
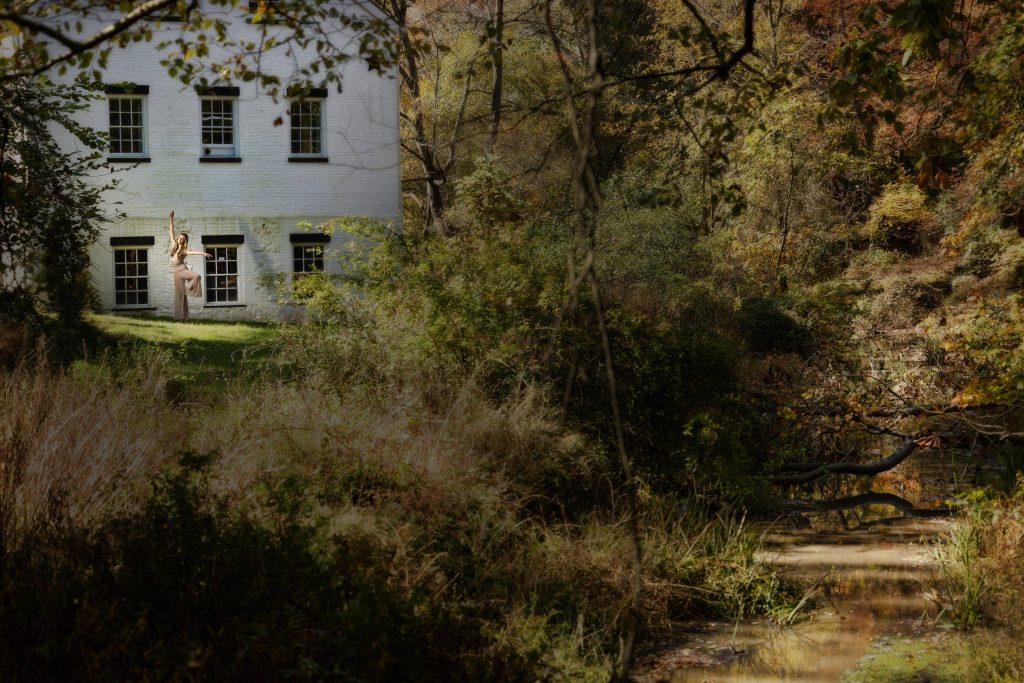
(186, 282)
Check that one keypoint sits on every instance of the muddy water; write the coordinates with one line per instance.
(869, 567)
(869, 582)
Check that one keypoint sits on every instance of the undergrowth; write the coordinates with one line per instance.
(983, 560)
(360, 519)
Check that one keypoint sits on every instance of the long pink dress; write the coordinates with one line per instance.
(186, 283)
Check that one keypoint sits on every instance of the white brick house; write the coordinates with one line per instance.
(239, 185)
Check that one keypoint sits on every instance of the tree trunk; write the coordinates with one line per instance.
(497, 75)
(433, 172)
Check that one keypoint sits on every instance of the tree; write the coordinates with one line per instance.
(63, 35)
(585, 84)
(49, 211)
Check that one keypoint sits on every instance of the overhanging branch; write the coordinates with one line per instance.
(808, 472)
(719, 69)
(76, 47)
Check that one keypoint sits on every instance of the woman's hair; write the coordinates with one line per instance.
(179, 249)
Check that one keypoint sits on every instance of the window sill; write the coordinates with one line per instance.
(128, 160)
(220, 160)
(307, 160)
(210, 304)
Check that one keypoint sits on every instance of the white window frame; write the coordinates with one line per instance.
(232, 149)
(211, 248)
(149, 277)
(145, 127)
(322, 101)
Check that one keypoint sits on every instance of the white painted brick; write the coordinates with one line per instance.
(264, 197)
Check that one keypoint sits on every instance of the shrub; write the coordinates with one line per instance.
(900, 219)
(768, 328)
(354, 532)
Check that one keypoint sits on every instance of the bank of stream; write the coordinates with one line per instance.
(868, 566)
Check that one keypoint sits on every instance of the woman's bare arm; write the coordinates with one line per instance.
(199, 253)
(170, 227)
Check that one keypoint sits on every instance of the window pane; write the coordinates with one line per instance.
(126, 125)
(131, 286)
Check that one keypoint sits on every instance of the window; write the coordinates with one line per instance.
(307, 127)
(219, 137)
(127, 125)
(307, 258)
(131, 277)
(222, 275)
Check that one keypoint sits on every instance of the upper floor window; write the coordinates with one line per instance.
(307, 127)
(127, 121)
(219, 129)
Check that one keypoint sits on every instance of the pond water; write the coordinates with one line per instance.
(868, 565)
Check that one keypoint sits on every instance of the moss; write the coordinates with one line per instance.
(958, 658)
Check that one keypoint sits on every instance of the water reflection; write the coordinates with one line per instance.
(874, 574)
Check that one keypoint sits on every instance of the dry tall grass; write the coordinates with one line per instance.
(79, 437)
(489, 505)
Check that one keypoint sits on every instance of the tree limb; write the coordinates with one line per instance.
(718, 70)
(76, 47)
(808, 472)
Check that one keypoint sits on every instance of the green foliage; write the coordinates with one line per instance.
(187, 583)
(964, 579)
(991, 342)
(52, 212)
(900, 219)
(981, 559)
(363, 532)
(300, 27)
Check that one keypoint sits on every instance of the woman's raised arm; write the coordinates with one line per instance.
(170, 227)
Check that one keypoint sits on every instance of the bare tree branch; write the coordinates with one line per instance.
(720, 69)
(812, 471)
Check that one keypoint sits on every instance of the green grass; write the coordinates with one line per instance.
(975, 657)
(216, 349)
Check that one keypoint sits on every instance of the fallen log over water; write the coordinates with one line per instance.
(811, 471)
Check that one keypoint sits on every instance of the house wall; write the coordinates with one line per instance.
(264, 197)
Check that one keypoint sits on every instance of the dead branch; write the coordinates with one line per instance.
(807, 472)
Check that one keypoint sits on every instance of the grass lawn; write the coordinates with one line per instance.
(209, 347)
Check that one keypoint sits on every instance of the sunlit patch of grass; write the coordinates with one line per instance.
(202, 346)
(979, 657)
